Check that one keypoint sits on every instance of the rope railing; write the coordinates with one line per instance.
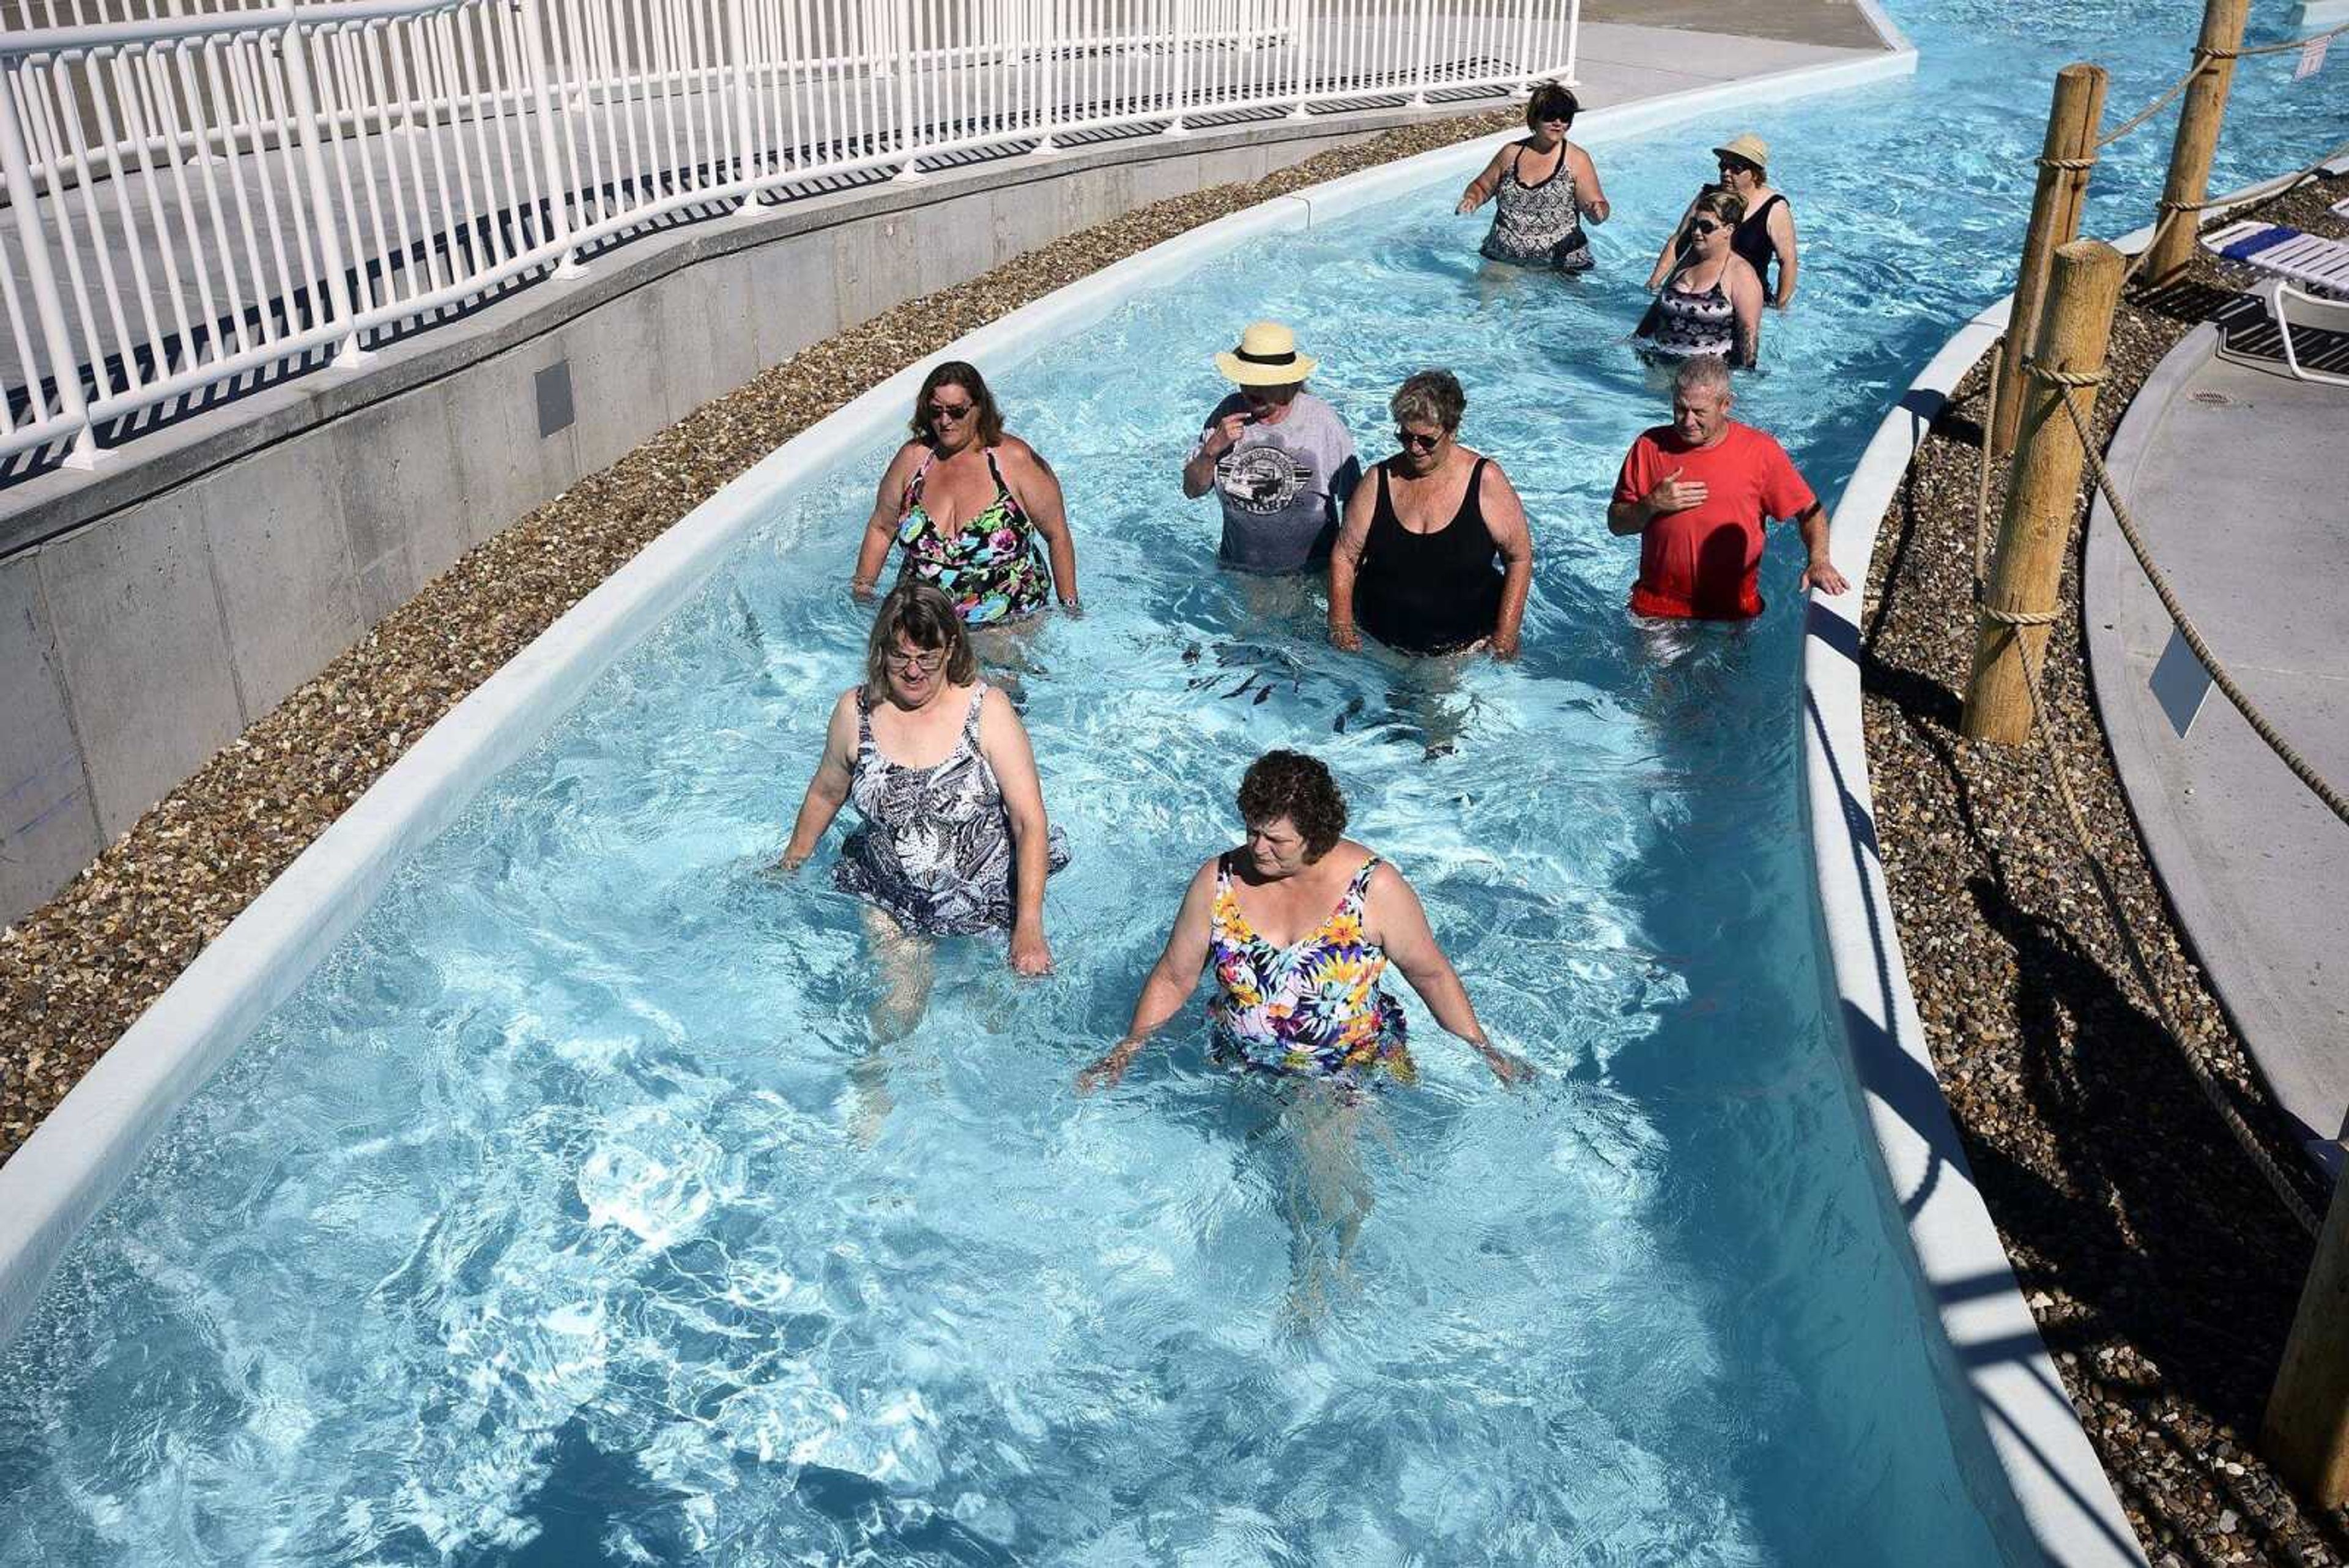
(2203, 59)
(2068, 383)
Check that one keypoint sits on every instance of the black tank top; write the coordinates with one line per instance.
(1751, 239)
(1430, 593)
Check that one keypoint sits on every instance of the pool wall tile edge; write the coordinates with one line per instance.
(1967, 1279)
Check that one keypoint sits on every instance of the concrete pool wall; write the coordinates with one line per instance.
(2019, 1441)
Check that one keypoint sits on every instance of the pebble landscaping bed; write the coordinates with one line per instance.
(76, 972)
(2162, 1269)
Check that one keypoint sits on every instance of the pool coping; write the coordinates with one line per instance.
(73, 1163)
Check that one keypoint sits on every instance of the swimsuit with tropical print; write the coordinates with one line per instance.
(1313, 1009)
(991, 565)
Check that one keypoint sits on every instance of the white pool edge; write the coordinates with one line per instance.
(2052, 1469)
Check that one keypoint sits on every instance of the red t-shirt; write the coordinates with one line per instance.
(1703, 563)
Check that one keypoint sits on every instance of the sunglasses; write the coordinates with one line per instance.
(1418, 442)
(1736, 166)
(1705, 226)
(950, 410)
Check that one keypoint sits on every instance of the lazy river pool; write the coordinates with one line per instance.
(566, 1215)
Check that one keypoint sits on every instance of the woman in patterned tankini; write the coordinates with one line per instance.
(977, 513)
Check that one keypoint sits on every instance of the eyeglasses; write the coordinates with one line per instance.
(908, 663)
(1705, 226)
(950, 410)
(1418, 442)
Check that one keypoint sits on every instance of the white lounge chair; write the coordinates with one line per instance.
(2323, 325)
(2311, 262)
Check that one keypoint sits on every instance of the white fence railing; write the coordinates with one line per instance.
(208, 195)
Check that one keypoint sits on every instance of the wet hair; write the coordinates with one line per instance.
(1702, 373)
(1430, 397)
(925, 618)
(959, 373)
(1299, 787)
(1722, 203)
(1551, 102)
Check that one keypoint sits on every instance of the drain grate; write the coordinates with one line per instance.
(2210, 400)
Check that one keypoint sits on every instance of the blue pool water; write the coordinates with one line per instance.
(557, 1218)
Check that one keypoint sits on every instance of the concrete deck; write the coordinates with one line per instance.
(2233, 476)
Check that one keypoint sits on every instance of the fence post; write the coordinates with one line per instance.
(1178, 16)
(1423, 46)
(2070, 149)
(294, 48)
(1573, 41)
(65, 364)
(537, 63)
(2198, 136)
(1297, 37)
(900, 13)
(1046, 36)
(738, 15)
(2306, 1429)
(2043, 493)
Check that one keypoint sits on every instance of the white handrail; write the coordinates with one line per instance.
(199, 198)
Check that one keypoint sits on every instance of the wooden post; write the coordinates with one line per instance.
(2306, 1432)
(2198, 135)
(2072, 125)
(2042, 491)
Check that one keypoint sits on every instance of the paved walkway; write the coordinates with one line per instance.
(2235, 479)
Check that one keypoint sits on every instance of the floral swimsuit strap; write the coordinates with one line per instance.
(1348, 913)
(979, 522)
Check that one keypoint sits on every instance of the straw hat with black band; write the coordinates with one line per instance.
(1748, 147)
(1267, 357)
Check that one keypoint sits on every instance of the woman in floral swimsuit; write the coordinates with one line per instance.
(979, 514)
(1309, 1007)
(1306, 1011)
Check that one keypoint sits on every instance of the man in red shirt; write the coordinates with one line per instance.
(1697, 491)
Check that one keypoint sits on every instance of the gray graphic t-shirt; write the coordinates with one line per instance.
(1282, 485)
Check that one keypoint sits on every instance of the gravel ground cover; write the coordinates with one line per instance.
(75, 974)
(2162, 1269)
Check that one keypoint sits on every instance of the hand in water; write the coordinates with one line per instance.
(1514, 1071)
(1107, 1073)
(1346, 638)
(1029, 953)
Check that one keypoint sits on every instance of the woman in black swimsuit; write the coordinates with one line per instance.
(1434, 555)
(1763, 237)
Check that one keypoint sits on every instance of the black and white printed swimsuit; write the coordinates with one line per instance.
(1689, 324)
(1538, 225)
(934, 848)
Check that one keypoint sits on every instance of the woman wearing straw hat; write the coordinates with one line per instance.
(1766, 233)
(1278, 459)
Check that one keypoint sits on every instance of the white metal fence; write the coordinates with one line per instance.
(206, 197)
